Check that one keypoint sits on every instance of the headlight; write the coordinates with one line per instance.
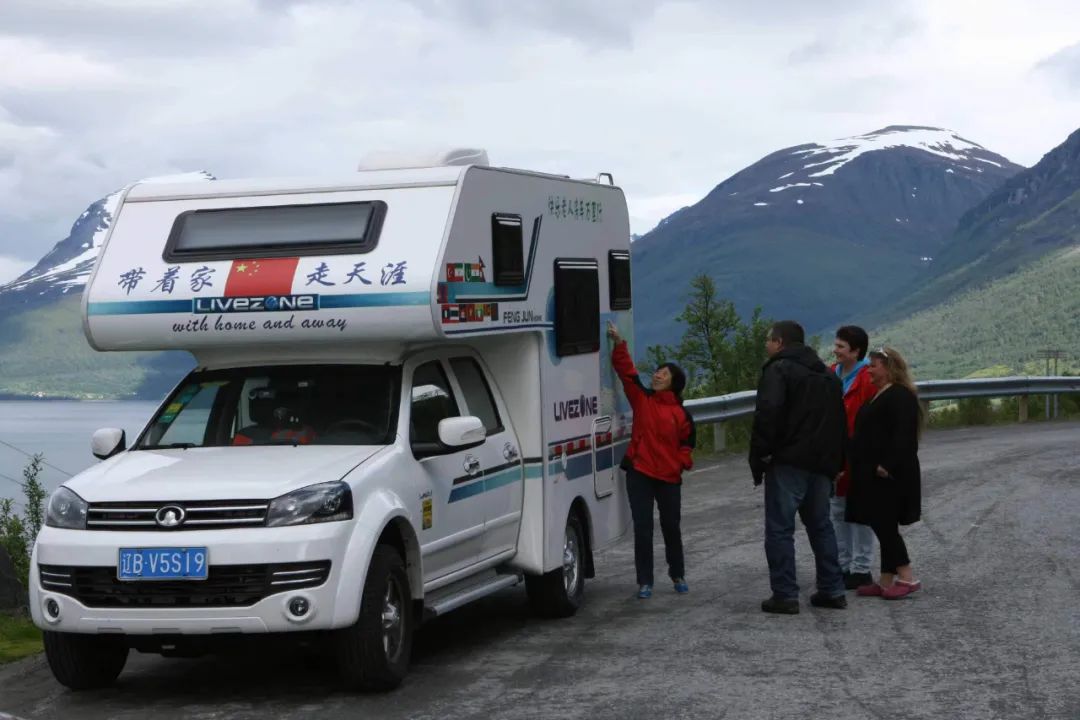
(66, 510)
(324, 502)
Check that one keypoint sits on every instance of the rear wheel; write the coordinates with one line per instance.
(373, 654)
(85, 662)
(561, 592)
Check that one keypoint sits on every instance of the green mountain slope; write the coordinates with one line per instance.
(999, 326)
(43, 352)
(1033, 215)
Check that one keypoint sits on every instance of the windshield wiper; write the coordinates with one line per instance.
(170, 446)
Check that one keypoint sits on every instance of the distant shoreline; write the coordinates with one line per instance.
(13, 397)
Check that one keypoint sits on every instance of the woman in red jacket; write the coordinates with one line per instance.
(660, 449)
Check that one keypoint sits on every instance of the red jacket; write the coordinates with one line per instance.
(862, 391)
(663, 436)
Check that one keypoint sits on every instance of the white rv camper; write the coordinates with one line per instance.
(403, 402)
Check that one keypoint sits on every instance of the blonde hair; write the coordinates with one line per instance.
(899, 373)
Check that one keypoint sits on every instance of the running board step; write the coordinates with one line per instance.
(474, 591)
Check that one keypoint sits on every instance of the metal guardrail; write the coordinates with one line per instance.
(740, 404)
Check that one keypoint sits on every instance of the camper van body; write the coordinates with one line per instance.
(468, 307)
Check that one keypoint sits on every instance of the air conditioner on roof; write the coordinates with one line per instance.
(405, 160)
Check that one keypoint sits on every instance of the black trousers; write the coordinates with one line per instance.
(643, 491)
(893, 550)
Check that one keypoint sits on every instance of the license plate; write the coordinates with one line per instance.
(162, 564)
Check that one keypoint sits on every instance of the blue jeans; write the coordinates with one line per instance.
(789, 490)
(854, 542)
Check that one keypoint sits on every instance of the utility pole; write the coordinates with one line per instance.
(1054, 355)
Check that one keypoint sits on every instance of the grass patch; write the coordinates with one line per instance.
(19, 638)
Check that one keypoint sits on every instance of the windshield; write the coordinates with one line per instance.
(281, 405)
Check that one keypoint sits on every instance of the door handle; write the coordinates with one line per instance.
(472, 464)
(602, 424)
(510, 452)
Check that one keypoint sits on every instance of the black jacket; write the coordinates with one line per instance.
(800, 419)
(886, 434)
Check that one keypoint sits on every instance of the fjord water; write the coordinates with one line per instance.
(61, 430)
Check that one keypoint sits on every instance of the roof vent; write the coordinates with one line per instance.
(402, 161)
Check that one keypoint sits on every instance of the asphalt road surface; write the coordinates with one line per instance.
(994, 634)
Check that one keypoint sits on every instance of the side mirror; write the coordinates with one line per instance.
(106, 442)
(459, 432)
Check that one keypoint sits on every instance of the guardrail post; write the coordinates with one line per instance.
(1023, 403)
(719, 437)
(925, 410)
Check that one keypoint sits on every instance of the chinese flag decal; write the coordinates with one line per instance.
(273, 276)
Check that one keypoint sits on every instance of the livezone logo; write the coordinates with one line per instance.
(254, 303)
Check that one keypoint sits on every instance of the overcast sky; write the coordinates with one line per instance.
(671, 97)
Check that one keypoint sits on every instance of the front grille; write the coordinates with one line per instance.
(225, 585)
(199, 515)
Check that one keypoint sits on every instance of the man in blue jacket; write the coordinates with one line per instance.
(797, 447)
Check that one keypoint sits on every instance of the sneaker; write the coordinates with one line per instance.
(821, 600)
(854, 581)
(870, 590)
(780, 606)
(644, 592)
(900, 589)
(680, 586)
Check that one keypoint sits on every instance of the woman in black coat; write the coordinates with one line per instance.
(886, 482)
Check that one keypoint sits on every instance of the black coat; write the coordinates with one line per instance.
(886, 434)
(799, 420)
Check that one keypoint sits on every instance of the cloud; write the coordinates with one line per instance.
(672, 97)
(11, 268)
(1063, 66)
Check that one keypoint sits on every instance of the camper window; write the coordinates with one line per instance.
(275, 231)
(432, 402)
(507, 252)
(279, 405)
(577, 306)
(477, 393)
(619, 279)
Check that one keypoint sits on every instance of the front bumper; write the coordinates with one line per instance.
(249, 546)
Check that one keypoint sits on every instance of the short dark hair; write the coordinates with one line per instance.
(855, 337)
(788, 332)
(678, 378)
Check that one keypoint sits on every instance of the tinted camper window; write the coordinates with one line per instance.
(507, 249)
(275, 231)
(577, 307)
(619, 279)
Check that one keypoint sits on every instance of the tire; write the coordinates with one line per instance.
(559, 593)
(85, 662)
(373, 654)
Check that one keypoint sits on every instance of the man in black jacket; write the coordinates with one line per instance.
(797, 446)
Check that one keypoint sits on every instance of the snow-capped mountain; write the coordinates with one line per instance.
(66, 268)
(809, 230)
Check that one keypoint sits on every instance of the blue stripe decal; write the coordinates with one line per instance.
(605, 458)
(487, 291)
(326, 302)
(139, 307)
(578, 466)
(392, 299)
(493, 482)
(502, 328)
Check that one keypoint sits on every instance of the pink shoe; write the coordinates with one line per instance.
(870, 590)
(901, 589)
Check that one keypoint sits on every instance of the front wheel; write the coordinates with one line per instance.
(373, 654)
(85, 662)
(561, 592)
